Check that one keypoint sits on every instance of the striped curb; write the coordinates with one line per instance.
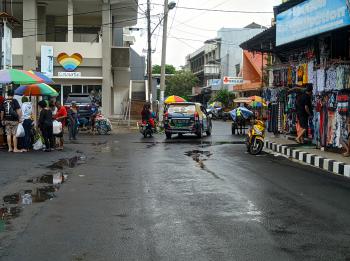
(330, 165)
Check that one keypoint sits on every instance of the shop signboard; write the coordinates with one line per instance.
(47, 60)
(69, 74)
(232, 80)
(7, 47)
(310, 18)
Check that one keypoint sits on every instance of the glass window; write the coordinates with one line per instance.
(66, 90)
(76, 89)
(182, 108)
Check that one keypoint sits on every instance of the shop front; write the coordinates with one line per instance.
(310, 47)
(72, 72)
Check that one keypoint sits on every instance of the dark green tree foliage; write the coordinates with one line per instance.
(225, 97)
(169, 69)
(181, 84)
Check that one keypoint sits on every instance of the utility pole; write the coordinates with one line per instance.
(162, 70)
(149, 50)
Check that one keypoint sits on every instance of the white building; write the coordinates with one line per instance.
(90, 38)
(221, 56)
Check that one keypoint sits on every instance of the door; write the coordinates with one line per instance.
(204, 118)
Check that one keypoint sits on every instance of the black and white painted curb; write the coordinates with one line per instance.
(333, 166)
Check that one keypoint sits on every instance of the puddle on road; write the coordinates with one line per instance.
(13, 203)
(68, 162)
(200, 156)
(55, 179)
(192, 141)
(12, 199)
(7, 213)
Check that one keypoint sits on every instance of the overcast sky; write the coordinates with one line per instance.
(191, 27)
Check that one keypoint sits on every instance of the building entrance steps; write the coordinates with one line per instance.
(333, 162)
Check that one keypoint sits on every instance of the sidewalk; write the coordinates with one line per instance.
(309, 154)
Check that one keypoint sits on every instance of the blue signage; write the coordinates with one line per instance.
(310, 18)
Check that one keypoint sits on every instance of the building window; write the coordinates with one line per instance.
(76, 89)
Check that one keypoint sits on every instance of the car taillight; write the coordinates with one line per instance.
(166, 116)
(196, 116)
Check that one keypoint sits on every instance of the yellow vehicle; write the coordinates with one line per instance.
(255, 137)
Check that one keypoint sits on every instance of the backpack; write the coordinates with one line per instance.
(10, 113)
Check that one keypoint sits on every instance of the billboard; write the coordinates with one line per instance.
(311, 18)
(47, 60)
(7, 47)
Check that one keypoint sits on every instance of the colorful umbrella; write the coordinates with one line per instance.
(43, 77)
(174, 99)
(41, 89)
(256, 104)
(256, 99)
(18, 77)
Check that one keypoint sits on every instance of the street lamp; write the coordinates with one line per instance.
(167, 8)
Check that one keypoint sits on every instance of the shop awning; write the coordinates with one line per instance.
(242, 100)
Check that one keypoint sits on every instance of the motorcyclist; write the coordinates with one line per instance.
(147, 115)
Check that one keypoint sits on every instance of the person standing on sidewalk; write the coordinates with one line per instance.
(73, 121)
(304, 112)
(46, 125)
(27, 110)
(10, 116)
(61, 116)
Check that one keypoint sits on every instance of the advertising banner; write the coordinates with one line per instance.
(47, 60)
(311, 18)
(7, 47)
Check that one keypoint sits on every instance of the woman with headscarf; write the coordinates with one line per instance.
(46, 125)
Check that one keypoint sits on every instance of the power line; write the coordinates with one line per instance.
(172, 22)
(108, 25)
(222, 10)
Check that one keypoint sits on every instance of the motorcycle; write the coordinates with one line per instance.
(102, 125)
(255, 137)
(146, 129)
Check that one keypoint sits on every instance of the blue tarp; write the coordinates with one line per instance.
(245, 113)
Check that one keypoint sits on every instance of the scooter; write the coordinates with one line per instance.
(146, 129)
(255, 137)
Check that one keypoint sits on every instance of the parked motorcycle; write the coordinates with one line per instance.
(255, 137)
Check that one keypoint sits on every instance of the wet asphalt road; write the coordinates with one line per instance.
(187, 199)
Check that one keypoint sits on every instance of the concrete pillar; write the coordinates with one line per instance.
(42, 22)
(107, 83)
(70, 21)
(29, 34)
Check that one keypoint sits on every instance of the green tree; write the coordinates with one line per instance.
(225, 97)
(181, 84)
(169, 69)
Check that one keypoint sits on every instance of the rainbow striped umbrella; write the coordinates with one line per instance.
(41, 89)
(18, 77)
(46, 79)
(174, 99)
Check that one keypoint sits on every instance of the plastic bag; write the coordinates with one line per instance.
(20, 131)
(57, 127)
(38, 145)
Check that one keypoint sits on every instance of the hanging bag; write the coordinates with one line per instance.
(20, 131)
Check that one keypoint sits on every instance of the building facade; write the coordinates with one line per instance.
(220, 58)
(84, 45)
